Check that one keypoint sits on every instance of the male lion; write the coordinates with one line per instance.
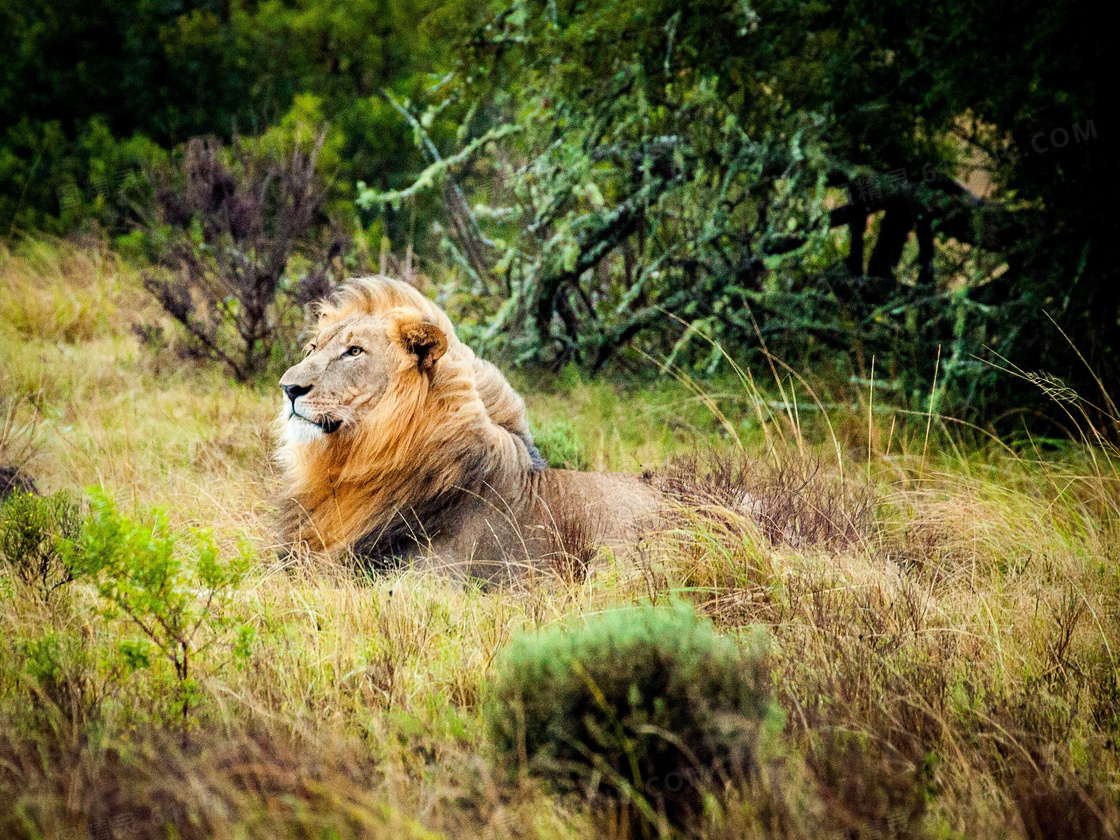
(400, 443)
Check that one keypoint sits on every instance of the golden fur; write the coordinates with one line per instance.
(403, 442)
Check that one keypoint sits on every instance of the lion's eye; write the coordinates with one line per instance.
(310, 349)
(355, 350)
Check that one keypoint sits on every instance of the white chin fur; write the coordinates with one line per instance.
(299, 432)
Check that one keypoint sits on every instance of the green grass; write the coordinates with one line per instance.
(946, 666)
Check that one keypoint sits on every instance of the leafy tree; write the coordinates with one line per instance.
(780, 170)
(869, 114)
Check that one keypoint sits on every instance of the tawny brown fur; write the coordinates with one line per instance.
(403, 443)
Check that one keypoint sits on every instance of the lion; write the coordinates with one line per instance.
(401, 445)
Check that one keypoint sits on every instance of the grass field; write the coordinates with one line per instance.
(943, 611)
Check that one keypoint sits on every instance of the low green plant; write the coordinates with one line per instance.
(33, 530)
(59, 669)
(647, 705)
(173, 587)
(560, 444)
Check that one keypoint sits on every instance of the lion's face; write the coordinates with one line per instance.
(349, 367)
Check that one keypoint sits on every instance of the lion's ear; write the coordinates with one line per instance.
(425, 341)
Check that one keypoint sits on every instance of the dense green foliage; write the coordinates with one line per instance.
(796, 176)
(919, 190)
(648, 704)
(90, 93)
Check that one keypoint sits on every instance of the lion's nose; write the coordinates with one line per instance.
(294, 392)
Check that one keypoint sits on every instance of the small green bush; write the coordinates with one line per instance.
(560, 444)
(646, 705)
(59, 673)
(32, 531)
(171, 585)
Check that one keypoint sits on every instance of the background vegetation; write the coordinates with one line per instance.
(925, 188)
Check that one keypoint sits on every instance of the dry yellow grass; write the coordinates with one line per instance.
(946, 665)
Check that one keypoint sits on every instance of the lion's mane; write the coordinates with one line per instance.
(433, 437)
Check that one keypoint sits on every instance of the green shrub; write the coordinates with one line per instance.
(648, 705)
(59, 673)
(560, 444)
(172, 586)
(32, 531)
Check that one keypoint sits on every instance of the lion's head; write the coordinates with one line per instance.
(351, 363)
(390, 412)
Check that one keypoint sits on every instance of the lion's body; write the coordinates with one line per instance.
(402, 443)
